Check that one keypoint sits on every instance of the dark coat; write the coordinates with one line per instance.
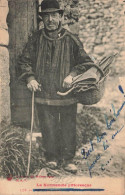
(50, 60)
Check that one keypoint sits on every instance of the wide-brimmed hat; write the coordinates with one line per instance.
(48, 6)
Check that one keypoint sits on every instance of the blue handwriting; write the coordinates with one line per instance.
(99, 138)
(113, 136)
(86, 154)
(104, 165)
(105, 145)
(116, 114)
(93, 164)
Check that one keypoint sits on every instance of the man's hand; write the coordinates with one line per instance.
(33, 85)
(67, 81)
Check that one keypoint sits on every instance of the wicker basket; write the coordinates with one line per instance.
(89, 96)
(93, 95)
(94, 92)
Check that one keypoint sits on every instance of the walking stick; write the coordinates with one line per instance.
(30, 146)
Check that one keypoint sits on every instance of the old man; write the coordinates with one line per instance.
(51, 59)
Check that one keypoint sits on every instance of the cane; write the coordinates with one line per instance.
(31, 132)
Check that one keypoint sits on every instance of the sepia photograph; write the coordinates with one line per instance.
(62, 97)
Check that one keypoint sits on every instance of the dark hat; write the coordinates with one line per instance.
(48, 6)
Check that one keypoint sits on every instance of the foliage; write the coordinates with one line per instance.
(14, 152)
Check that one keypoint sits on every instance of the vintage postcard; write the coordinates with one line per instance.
(62, 97)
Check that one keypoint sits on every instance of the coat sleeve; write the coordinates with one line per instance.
(26, 62)
(82, 61)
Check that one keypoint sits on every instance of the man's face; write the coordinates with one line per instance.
(51, 20)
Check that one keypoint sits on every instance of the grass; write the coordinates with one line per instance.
(14, 152)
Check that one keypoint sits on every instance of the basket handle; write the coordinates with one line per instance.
(94, 65)
(65, 93)
(99, 69)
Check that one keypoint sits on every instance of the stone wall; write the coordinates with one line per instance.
(102, 27)
(4, 64)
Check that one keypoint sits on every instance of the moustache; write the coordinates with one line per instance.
(51, 23)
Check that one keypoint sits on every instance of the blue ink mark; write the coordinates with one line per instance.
(121, 89)
(93, 164)
(114, 113)
(99, 139)
(67, 190)
(103, 165)
(83, 152)
(86, 154)
(105, 145)
(113, 136)
(109, 124)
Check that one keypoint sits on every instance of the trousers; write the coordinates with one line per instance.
(58, 127)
